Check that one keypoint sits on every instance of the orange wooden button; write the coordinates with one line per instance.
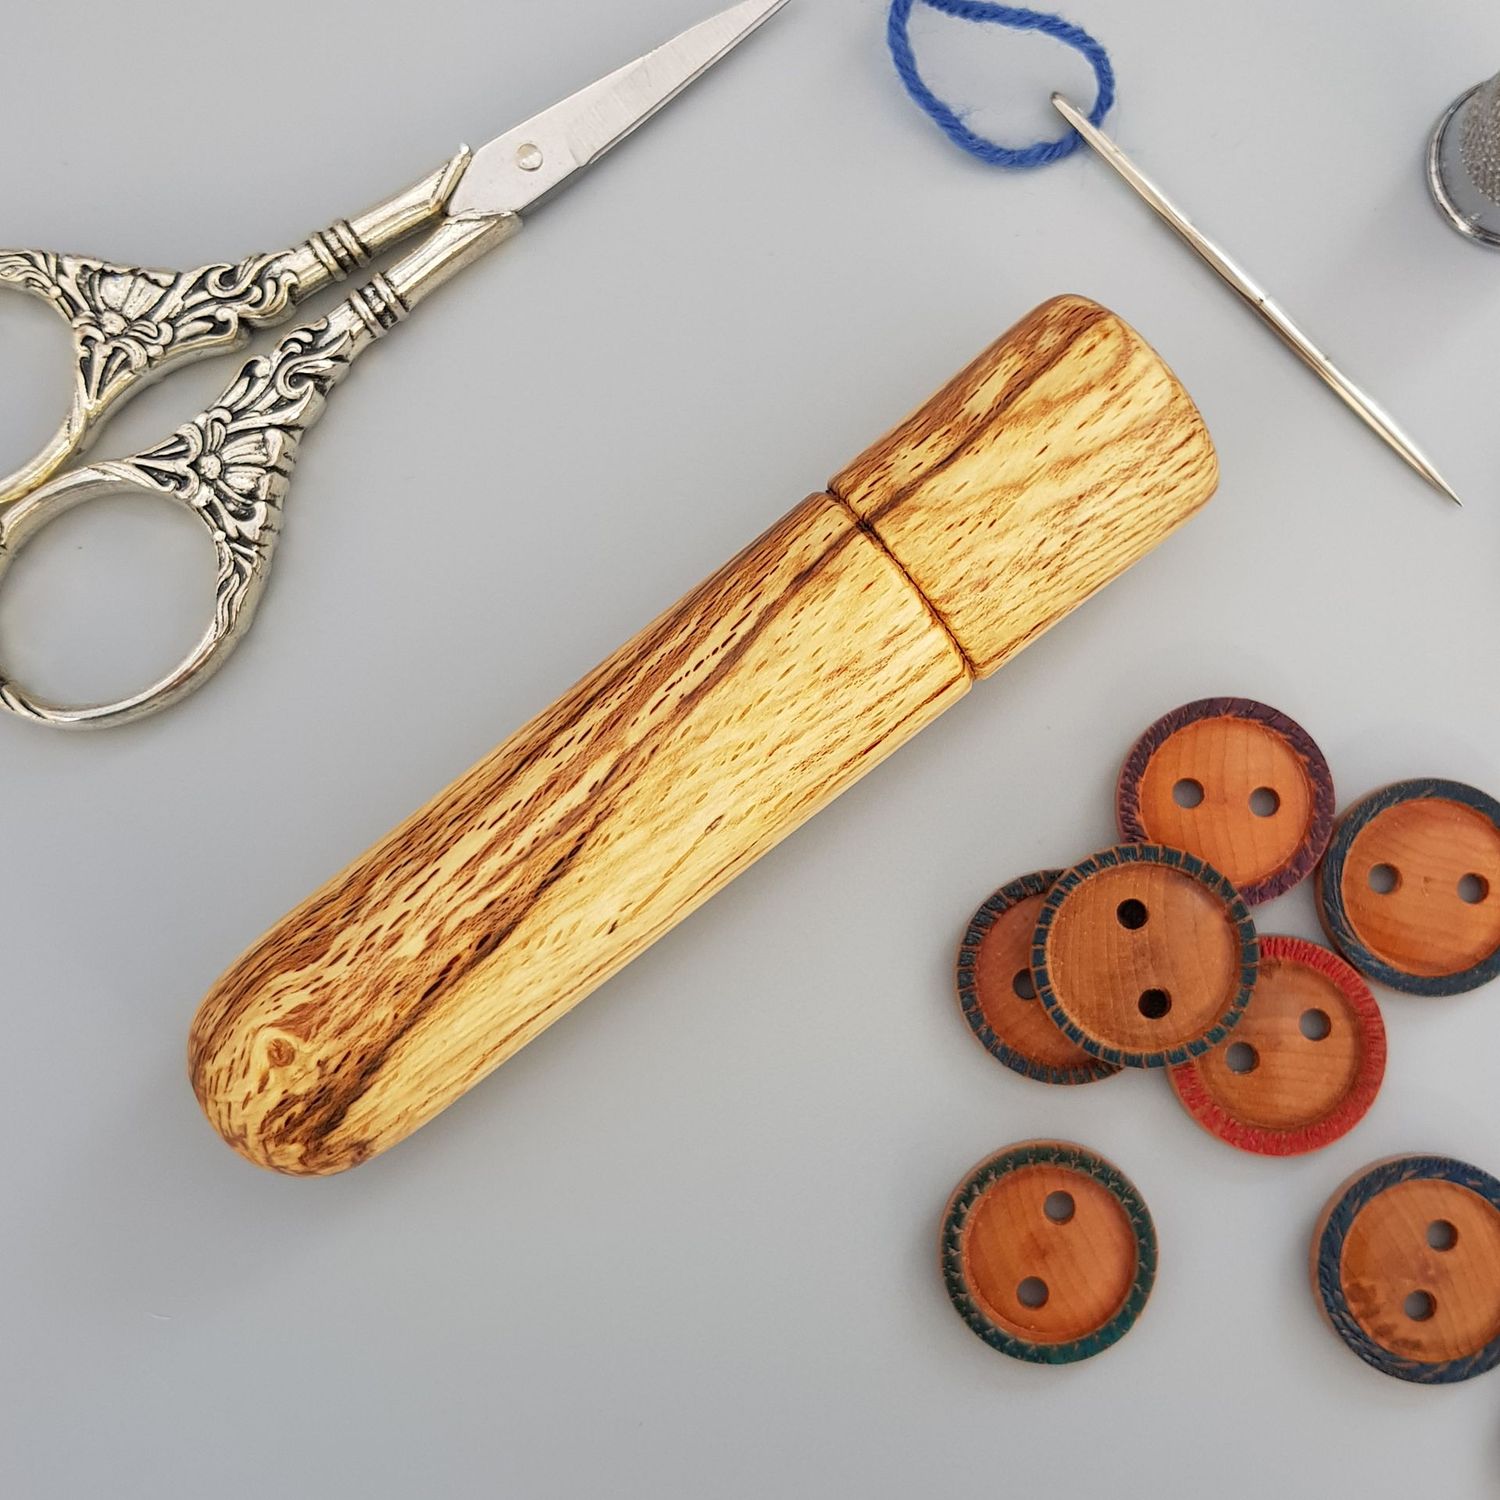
(1410, 890)
(1406, 1265)
(1048, 1252)
(1144, 956)
(1238, 784)
(1304, 1064)
(998, 996)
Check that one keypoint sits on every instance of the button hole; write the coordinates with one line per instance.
(1314, 1025)
(1265, 802)
(1032, 1292)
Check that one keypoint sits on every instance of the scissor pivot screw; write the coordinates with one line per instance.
(528, 157)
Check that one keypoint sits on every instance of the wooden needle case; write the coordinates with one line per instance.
(1061, 455)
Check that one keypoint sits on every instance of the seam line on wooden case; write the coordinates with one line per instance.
(927, 604)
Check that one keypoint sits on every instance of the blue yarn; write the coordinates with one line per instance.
(898, 35)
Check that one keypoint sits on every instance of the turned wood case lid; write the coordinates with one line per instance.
(1060, 456)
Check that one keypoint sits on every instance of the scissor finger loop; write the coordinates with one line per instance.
(230, 467)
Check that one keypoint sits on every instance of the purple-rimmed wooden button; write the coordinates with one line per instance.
(1235, 782)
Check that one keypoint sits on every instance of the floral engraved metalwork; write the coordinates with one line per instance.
(232, 463)
(130, 322)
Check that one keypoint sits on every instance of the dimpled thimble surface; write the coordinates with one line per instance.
(1463, 163)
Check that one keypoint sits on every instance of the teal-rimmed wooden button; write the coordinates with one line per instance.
(1048, 1252)
(1144, 956)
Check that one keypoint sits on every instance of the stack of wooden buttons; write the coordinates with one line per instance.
(1146, 955)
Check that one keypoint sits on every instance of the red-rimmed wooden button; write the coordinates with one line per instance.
(1406, 1266)
(1144, 956)
(1303, 1066)
(998, 997)
(1048, 1252)
(1235, 782)
(1410, 890)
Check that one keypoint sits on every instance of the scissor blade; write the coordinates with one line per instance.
(515, 171)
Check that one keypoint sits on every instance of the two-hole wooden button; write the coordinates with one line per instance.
(1410, 890)
(1235, 782)
(1303, 1066)
(1048, 1252)
(998, 997)
(1406, 1265)
(1144, 956)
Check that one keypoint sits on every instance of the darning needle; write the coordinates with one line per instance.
(1363, 407)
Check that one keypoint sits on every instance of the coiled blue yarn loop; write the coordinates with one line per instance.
(898, 35)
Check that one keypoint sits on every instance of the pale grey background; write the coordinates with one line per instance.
(684, 1245)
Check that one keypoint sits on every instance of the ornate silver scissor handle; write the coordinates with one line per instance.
(130, 326)
(231, 465)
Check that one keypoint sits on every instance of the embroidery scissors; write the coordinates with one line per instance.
(231, 464)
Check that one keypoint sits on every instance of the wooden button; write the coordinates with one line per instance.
(998, 997)
(1304, 1064)
(1406, 1264)
(1236, 783)
(1048, 1252)
(1410, 890)
(1144, 956)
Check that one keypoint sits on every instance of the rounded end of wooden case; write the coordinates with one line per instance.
(260, 1093)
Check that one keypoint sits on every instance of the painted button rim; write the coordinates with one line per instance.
(1205, 874)
(1038, 883)
(1195, 1098)
(1305, 858)
(1335, 915)
(1328, 1250)
(1071, 1157)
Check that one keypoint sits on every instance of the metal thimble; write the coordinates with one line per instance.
(1463, 163)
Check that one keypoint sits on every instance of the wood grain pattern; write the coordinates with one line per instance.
(573, 846)
(695, 748)
(1257, 798)
(1304, 1064)
(1406, 1266)
(1410, 890)
(1048, 1252)
(1144, 956)
(1023, 485)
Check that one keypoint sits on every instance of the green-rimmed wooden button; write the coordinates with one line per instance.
(1410, 889)
(1144, 956)
(1048, 1252)
(998, 997)
(1406, 1267)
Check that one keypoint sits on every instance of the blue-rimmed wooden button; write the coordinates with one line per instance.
(1144, 956)
(1406, 1266)
(1410, 889)
(998, 997)
(1235, 782)
(1048, 1252)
